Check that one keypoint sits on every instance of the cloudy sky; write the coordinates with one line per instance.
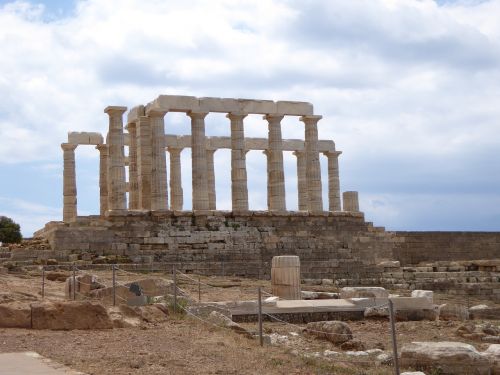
(409, 91)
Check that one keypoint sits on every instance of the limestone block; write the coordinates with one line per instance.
(224, 105)
(174, 103)
(257, 106)
(364, 292)
(452, 358)
(78, 138)
(423, 293)
(412, 303)
(134, 114)
(285, 277)
(294, 108)
(492, 354)
(95, 139)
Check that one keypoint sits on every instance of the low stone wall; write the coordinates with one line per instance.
(413, 248)
(336, 245)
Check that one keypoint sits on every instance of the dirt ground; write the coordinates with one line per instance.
(185, 345)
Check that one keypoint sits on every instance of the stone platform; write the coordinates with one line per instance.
(32, 363)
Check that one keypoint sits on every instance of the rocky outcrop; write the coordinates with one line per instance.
(449, 358)
(334, 331)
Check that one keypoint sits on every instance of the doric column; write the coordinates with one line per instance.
(313, 169)
(103, 178)
(268, 193)
(144, 162)
(176, 193)
(199, 161)
(276, 175)
(333, 180)
(301, 179)
(133, 194)
(212, 197)
(116, 160)
(351, 202)
(69, 182)
(239, 189)
(159, 195)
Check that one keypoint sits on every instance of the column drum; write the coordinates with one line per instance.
(285, 276)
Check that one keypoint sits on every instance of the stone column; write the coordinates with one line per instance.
(351, 202)
(133, 194)
(239, 188)
(301, 179)
(268, 194)
(144, 162)
(199, 161)
(212, 198)
(176, 193)
(103, 178)
(116, 165)
(69, 182)
(276, 175)
(159, 194)
(333, 180)
(313, 169)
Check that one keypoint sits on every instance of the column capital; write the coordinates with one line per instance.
(155, 113)
(310, 119)
(131, 126)
(114, 110)
(101, 147)
(211, 150)
(68, 146)
(197, 115)
(299, 153)
(332, 153)
(236, 115)
(174, 149)
(273, 118)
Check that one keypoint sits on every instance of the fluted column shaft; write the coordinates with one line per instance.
(159, 194)
(333, 180)
(176, 193)
(133, 194)
(313, 169)
(276, 175)
(212, 197)
(103, 178)
(69, 182)
(301, 180)
(199, 161)
(144, 162)
(239, 188)
(116, 160)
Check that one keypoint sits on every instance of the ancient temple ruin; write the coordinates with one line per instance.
(144, 135)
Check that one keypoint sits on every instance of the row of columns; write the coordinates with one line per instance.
(148, 172)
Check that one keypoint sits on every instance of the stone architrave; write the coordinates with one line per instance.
(313, 170)
(103, 177)
(239, 188)
(276, 174)
(133, 195)
(199, 161)
(69, 182)
(116, 160)
(212, 197)
(301, 179)
(159, 195)
(176, 193)
(144, 162)
(333, 180)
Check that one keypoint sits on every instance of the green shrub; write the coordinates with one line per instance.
(10, 232)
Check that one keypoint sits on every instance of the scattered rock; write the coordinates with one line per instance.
(333, 331)
(374, 351)
(453, 312)
(364, 292)
(353, 345)
(492, 354)
(429, 294)
(330, 353)
(204, 310)
(70, 315)
(56, 276)
(384, 359)
(491, 339)
(450, 358)
(484, 312)
(376, 312)
(219, 319)
(154, 286)
(356, 353)
(15, 315)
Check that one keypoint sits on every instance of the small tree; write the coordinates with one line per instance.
(10, 232)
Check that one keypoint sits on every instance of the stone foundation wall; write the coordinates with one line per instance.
(413, 248)
(336, 245)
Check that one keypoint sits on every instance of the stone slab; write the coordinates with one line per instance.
(32, 363)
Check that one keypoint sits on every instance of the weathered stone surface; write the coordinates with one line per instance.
(154, 286)
(333, 331)
(451, 358)
(492, 354)
(429, 294)
(222, 320)
(377, 313)
(484, 312)
(70, 315)
(364, 292)
(453, 312)
(15, 315)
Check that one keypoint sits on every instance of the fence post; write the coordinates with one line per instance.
(261, 338)
(393, 334)
(199, 289)
(43, 282)
(114, 284)
(175, 288)
(74, 282)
